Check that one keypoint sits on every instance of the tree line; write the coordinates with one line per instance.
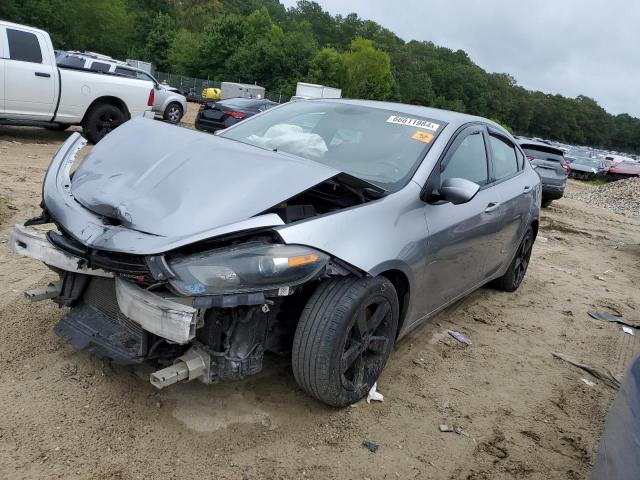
(263, 42)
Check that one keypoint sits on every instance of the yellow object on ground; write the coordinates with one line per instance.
(211, 93)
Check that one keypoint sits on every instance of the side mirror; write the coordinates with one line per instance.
(458, 190)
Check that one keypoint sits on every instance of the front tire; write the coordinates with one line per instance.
(512, 279)
(102, 119)
(173, 113)
(344, 338)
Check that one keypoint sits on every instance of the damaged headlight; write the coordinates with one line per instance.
(246, 268)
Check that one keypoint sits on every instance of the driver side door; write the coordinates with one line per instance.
(460, 236)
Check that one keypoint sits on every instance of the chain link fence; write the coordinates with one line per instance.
(193, 87)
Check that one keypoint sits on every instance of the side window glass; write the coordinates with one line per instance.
(468, 161)
(100, 67)
(124, 71)
(23, 46)
(505, 162)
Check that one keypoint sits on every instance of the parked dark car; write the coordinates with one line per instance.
(551, 166)
(214, 116)
(322, 230)
(586, 168)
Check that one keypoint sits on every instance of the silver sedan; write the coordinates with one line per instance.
(324, 230)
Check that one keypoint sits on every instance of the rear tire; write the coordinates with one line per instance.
(345, 336)
(545, 202)
(512, 279)
(102, 119)
(173, 113)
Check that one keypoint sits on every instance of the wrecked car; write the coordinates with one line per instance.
(324, 230)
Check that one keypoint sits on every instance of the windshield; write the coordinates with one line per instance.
(380, 146)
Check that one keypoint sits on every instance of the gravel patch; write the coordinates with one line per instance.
(622, 196)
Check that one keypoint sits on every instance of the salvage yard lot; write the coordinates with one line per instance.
(527, 414)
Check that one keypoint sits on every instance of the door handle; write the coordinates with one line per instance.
(492, 206)
(527, 189)
(42, 74)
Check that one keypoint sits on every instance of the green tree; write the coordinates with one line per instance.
(327, 68)
(367, 71)
(159, 42)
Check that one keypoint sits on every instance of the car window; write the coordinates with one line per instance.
(125, 71)
(144, 76)
(469, 161)
(381, 146)
(71, 61)
(100, 67)
(23, 46)
(505, 161)
(543, 153)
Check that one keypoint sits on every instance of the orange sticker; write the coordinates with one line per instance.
(422, 136)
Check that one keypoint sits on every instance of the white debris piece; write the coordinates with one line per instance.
(628, 330)
(374, 394)
(588, 382)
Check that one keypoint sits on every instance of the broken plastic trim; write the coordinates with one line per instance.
(32, 243)
(158, 315)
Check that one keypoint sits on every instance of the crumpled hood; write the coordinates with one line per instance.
(170, 181)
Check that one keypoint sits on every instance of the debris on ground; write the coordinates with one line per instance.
(374, 394)
(540, 238)
(459, 337)
(628, 330)
(622, 196)
(588, 382)
(455, 429)
(601, 373)
(372, 447)
(608, 317)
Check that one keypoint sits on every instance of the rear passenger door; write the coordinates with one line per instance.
(29, 77)
(507, 174)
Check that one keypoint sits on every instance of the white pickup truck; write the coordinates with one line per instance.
(34, 91)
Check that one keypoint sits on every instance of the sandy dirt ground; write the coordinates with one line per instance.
(527, 414)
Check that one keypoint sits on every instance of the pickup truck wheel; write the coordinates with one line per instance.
(173, 113)
(345, 336)
(102, 119)
(545, 202)
(511, 280)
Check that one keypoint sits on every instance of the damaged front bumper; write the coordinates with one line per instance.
(166, 317)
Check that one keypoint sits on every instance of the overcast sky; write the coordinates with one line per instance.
(570, 47)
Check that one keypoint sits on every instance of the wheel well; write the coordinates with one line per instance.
(115, 101)
(401, 284)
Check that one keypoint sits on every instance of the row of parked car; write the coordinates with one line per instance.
(555, 163)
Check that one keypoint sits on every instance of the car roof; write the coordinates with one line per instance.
(452, 118)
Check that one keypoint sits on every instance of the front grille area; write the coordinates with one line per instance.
(101, 295)
(125, 265)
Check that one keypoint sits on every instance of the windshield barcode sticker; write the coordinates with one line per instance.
(413, 122)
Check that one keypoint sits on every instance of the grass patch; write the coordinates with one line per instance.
(596, 182)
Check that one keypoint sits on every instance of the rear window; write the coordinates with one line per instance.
(71, 61)
(23, 46)
(125, 71)
(100, 67)
(543, 153)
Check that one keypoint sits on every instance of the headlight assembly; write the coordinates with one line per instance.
(246, 268)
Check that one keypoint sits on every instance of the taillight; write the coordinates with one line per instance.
(530, 158)
(152, 97)
(566, 167)
(236, 115)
